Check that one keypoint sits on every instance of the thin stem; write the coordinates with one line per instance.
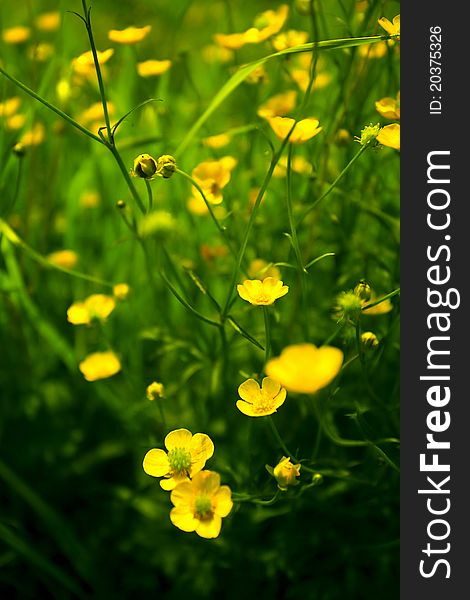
(127, 177)
(279, 439)
(382, 299)
(267, 329)
(150, 194)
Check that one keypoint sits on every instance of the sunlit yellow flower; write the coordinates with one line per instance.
(262, 293)
(9, 106)
(304, 130)
(212, 176)
(48, 21)
(100, 365)
(121, 291)
(84, 64)
(389, 107)
(94, 113)
(16, 35)
(216, 141)
(390, 136)
(152, 68)
(289, 39)
(16, 121)
(63, 258)
(259, 401)
(155, 390)
(302, 79)
(89, 199)
(34, 136)
(96, 306)
(187, 455)
(216, 54)
(278, 105)
(200, 504)
(391, 28)
(286, 473)
(130, 35)
(266, 24)
(299, 165)
(260, 269)
(376, 50)
(304, 368)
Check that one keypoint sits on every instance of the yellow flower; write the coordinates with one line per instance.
(304, 368)
(152, 68)
(369, 134)
(369, 339)
(299, 165)
(216, 54)
(289, 39)
(121, 291)
(131, 35)
(41, 52)
(391, 28)
(9, 106)
(302, 79)
(84, 64)
(304, 130)
(376, 50)
(95, 113)
(258, 75)
(187, 455)
(16, 122)
(145, 166)
(278, 105)
(96, 306)
(63, 258)
(216, 141)
(259, 402)
(155, 390)
(266, 24)
(285, 473)
(89, 199)
(212, 176)
(48, 21)
(389, 107)
(100, 365)
(16, 35)
(390, 136)
(34, 136)
(200, 504)
(260, 269)
(379, 309)
(262, 293)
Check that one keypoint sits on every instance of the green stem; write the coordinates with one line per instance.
(279, 439)
(149, 194)
(127, 177)
(382, 299)
(267, 329)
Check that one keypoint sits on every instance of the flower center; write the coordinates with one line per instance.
(203, 506)
(179, 459)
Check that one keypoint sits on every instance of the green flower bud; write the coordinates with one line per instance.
(145, 166)
(166, 166)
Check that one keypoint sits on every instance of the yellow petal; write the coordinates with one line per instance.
(223, 501)
(247, 409)
(202, 447)
(390, 136)
(100, 365)
(184, 520)
(179, 438)
(209, 528)
(156, 463)
(172, 482)
(249, 390)
(77, 314)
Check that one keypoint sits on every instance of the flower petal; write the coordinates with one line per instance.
(184, 520)
(179, 438)
(223, 501)
(249, 390)
(209, 528)
(156, 463)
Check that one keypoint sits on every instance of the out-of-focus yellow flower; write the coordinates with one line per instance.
(158, 223)
(153, 68)
(299, 165)
(289, 39)
(200, 504)
(155, 390)
(379, 309)
(286, 473)
(390, 136)
(89, 199)
(391, 28)
(130, 35)
(63, 258)
(369, 339)
(100, 365)
(389, 107)
(302, 79)
(94, 113)
(216, 54)
(40, 52)
(266, 24)
(34, 136)
(187, 455)
(278, 105)
(262, 293)
(376, 50)
(216, 141)
(212, 176)
(260, 269)
(304, 130)
(121, 291)
(259, 401)
(9, 106)
(96, 306)
(258, 75)
(209, 253)
(16, 122)
(84, 64)
(304, 368)
(16, 35)
(48, 21)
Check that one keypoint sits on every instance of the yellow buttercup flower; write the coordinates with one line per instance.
(289, 39)
(201, 504)
(259, 402)
(94, 113)
(155, 390)
(121, 291)
(63, 258)
(389, 107)
(304, 130)
(262, 293)
(84, 64)
(299, 165)
(16, 35)
(379, 309)
(187, 455)
(212, 176)
(48, 21)
(390, 136)
(286, 473)
(392, 28)
(9, 106)
(145, 167)
(304, 368)
(266, 24)
(130, 35)
(16, 122)
(34, 136)
(153, 68)
(369, 339)
(278, 105)
(216, 141)
(302, 79)
(96, 306)
(100, 365)
(260, 269)
(89, 199)
(376, 50)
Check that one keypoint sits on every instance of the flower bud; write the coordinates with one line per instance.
(369, 339)
(363, 291)
(285, 473)
(368, 134)
(166, 165)
(155, 390)
(348, 307)
(145, 166)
